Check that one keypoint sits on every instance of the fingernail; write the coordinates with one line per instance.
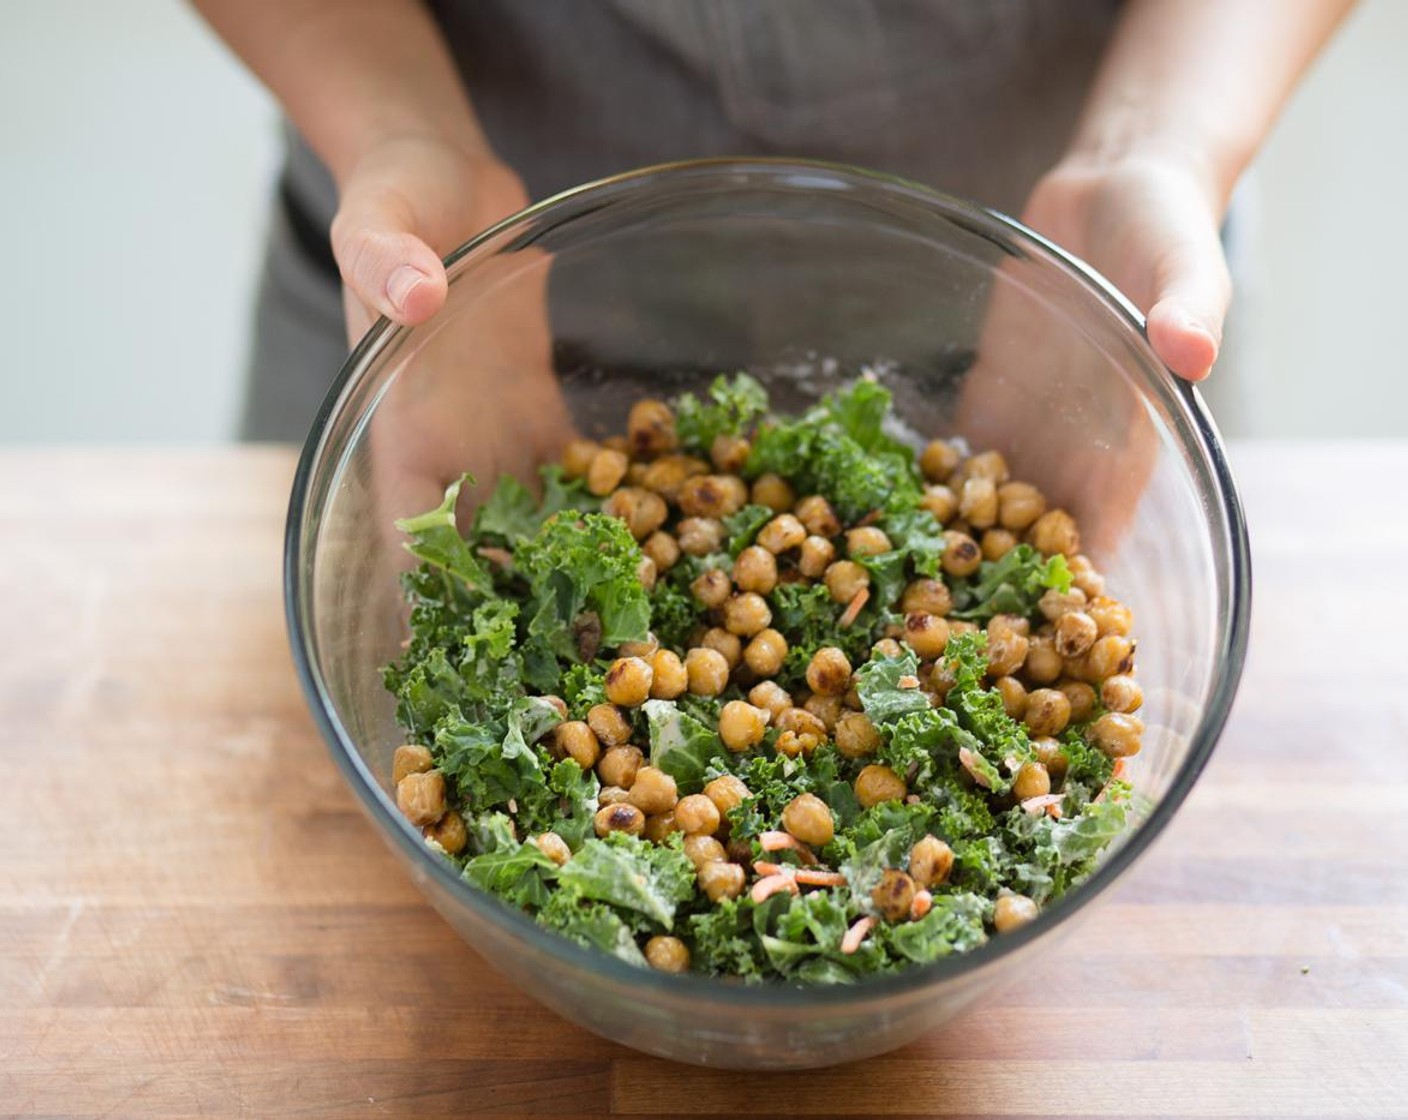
(402, 283)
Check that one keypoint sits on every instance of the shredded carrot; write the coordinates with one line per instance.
(854, 607)
(776, 841)
(856, 934)
(764, 867)
(769, 885)
(969, 761)
(1035, 806)
(922, 904)
(1119, 769)
(907, 682)
(819, 877)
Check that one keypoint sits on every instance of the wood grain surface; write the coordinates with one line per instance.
(195, 919)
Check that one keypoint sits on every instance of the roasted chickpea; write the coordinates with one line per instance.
(668, 678)
(828, 709)
(808, 818)
(959, 626)
(1052, 754)
(816, 556)
(866, 541)
(653, 791)
(609, 725)
(620, 817)
(576, 740)
(941, 502)
(766, 653)
(645, 649)
(1048, 711)
(783, 532)
(1012, 911)
(987, 464)
(1110, 656)
(553, 846)
(557, 703)
(893, 895)
(1121, 693)
(1085, 577)
(659, 826)
(410, 759)
(773, 491)
(1018, 505)
(888, 647)
(1111, 617)
(1081, 697)
(666, 475)
(938, 460)
(1053, 604)
(770, 696)
(1031, 780)
(618, 766)
(1014, 696)
(421, 797)
(712, 587)
(977, 503)
(856, 736)
(755, 570)
(697, 815)
(650, 427)
(961, 554)
(941, 679)
(1075, 633)
(663, 549)
(794, 743)
(729, 453)
(613, 795)
(730, 645)
(617, 442)
(930, 861)
(1007, 647)
(1043, 663)
(719, 881)
(607, 469)
(925, 634)
(846, 579)
(746, 614)
(877, 783)
(711, 495)
(829, 672)
(1118, 734)
(702, 850)
(449, 832)
(741, 725)
(818, 517)
(707, 671)
(997, 543)
(577, 457)
(642, 510)
(726, 792)
(628, 682)
(700, 536)
(801, 721)
(667, 954)
(1055, 531)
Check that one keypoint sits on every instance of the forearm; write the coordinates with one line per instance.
(352, 74)
(1201, 81)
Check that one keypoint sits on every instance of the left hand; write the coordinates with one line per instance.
(1149, 222)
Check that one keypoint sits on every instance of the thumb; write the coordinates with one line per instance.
(1192, 290)
(391, 270)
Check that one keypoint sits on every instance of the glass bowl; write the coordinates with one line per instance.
(804, 274)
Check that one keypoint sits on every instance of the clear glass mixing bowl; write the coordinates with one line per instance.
(651, 283)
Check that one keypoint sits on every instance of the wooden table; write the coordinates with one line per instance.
(195, 920)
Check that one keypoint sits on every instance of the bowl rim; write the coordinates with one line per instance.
(776, 994)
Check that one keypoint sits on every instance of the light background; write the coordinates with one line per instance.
(138, 157)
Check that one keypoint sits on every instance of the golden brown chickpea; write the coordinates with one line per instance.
(755, 570)
(609, 725)
(730, 645)
(650, 427)
(958, 627)
(618, 766)
(1075, 633)
(617, 442)
(421, 797)
(700, 536)
(1014, 696)
(846, 579)
(620, 817)
(712, 587)
(997, 543)
(653, 791)
(1007, 647)
(659, 826)
(794, 743)
(828, 709)
(719, 881)
(746, 614)
(645, 649)
(1051, 754)
(816, 556)
(628, 682)
(941, 680)
(1053, 604)
(1043, 663)
(856, 735)
(410, 759)
(783, 532)
(866, 541)
(808, 818)
(741, 725)
(663, 549)
(1081, 697)
(773, 491)
(1110, 656)
(893, 895)
(1085, 577)
(577, 457)
(961, 554)
(707, 671)
(642, 510)
(1019, 505)
(930, 861)
(667, 954)
(829, 672)
(888, 647)
(925, 634)
(1032, 780)
(1111, 617)
(1055, 531)
(606, 472)
(666, 475)
(941, 502)
(766, 653)
(987, 464)
(668, 678)
(702, 850)
(1012, 911)
(729, 453)
(553, 846)
(802, 722)
(1121, 693)
(938, 460)
(818, 517)
(1117, 734)
(613, 795)
(576, 740)
(1048, 711)
(977, 503)
(712, 495)
(877, 783)
(726, 792)
(449, 832)
(770, 696)
(558, 704)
